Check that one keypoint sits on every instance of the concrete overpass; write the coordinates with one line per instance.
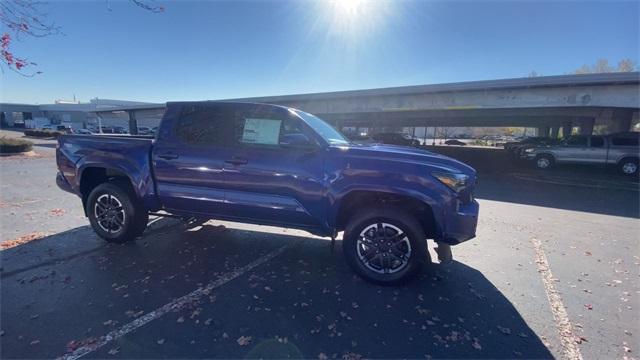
(546, 103)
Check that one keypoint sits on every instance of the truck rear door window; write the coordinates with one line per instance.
(201, 126)
(625, 141)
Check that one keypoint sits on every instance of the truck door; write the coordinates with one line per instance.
(269, 180)
(573, 149)
(188, 160)
(597, 152)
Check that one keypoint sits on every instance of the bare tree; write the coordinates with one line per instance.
(28, 19)
(446, 132)
(626, 65)
(602, 66)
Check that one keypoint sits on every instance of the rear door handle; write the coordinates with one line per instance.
(168, 156)
(236, 161)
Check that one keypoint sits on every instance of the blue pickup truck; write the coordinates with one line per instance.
(273, 165)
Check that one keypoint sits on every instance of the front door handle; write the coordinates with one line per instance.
(168, 156)
(236, 161)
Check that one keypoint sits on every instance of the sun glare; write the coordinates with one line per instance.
(350, 8)
(352, 18)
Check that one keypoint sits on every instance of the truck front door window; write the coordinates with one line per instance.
(260, 131)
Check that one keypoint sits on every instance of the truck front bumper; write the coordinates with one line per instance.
(461, 225)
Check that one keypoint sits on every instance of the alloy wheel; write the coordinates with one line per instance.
(109, 213)
(383, 248)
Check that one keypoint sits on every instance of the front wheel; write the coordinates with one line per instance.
(629, 166)
(386, 246)
(115, 214)
(544, 161)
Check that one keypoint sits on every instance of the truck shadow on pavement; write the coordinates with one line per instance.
(304, 303)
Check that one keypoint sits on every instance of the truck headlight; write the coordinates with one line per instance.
(456, 182)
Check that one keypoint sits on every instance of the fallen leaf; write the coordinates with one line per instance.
(244, 340)
(114, 351)
(36, 342)
(160, 342)
(588, 306)
(57, 212)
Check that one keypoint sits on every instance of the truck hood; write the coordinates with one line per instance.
(405, 154)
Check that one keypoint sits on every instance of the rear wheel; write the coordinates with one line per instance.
(115, 214)
(385, 246)
(629, 166)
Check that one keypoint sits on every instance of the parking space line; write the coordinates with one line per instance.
(559, 311)
(176, 305)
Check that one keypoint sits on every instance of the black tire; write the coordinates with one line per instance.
(395, 217)
(628, 166)
(129, 216)
(544, 161)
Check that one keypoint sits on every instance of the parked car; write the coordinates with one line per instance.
(360, 139)
(621, 150)
(273, 165)
(518, 151)
(67, 129)
(144, 130)
(455, 142)
(120, 130)
(396, 139)
(84, 132)
(113, 130)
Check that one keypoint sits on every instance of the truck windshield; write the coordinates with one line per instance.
(331, 135)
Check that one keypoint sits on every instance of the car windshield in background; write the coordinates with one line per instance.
(331, 135)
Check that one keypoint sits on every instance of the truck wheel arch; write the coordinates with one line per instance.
(92, 176)
(355, 200)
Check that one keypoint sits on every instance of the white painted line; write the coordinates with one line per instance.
(175, 305)
(567, 337)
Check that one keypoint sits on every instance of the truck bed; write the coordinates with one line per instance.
(124, 154)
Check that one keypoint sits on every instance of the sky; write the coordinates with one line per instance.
(209, 50)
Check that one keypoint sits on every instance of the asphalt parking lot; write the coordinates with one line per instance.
(553, 272)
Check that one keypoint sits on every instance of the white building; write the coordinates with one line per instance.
(76, 114)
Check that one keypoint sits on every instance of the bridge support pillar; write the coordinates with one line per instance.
(586, 126)
(621, 120)
(543, 131)
(566, 129)
(133, 123)
(615, 120)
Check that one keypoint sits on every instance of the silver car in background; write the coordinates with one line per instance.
(621, 150)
